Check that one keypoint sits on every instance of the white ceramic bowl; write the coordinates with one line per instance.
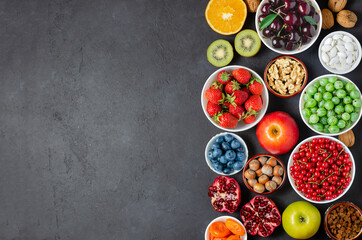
(358, 57)
(301, 104)
(208, 147)
(267, 41)
(241, 125)
(223, 219)
(291, 161)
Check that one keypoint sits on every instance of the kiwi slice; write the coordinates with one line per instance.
(247, 43)
(220, 53)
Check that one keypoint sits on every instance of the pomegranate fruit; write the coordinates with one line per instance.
(225, 194)
(260, 216)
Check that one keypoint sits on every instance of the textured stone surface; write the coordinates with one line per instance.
(102, 135)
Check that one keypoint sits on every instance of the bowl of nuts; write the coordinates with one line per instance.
(264, 174)
(343, 220)
(285, 76)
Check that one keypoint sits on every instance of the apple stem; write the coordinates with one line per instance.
(302, 219)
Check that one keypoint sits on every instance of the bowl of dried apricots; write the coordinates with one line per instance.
(225, 227)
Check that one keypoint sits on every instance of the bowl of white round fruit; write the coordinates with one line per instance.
(234, 98)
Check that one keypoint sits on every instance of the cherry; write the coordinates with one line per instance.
(290, 46)
(290, 4)
(267, 32)
(276, 25)
(316, 17)
(278, 42)
(309, 30)
(291, 18)
(266, 8)
(304, 8)
(275, 3)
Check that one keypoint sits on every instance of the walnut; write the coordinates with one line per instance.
(347, 138)
(347, 18)
(252, 5)
(336, 5)
(327, 19)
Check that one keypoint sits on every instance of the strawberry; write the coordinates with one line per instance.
(217, 85)
(226, 120)
(255, 86)
(237, 111)
(225, 105)
(254, 102)
(246, 90)
(242, 75)
(213, 108)
(224, 77)
(249, 119)
(214, 95)
(232, 86)
(238, 97)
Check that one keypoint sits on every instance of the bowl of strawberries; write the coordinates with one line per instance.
(234, 98)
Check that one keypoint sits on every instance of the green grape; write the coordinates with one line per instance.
(323, 81)
(318, 127)
(331, 113)
(332, 79)
(346, 116)
(334, 129)
(341, 124)
(313, 118)
(323, 120)
(318, 96)
(347, 100)
(339, 109)
(321, 103)
(332, 120)
(321, 89)
(311, 103)
(349, 87)
(354, 94)
(316, 84)
(326, 129)
(348, 124)
(321, 112)
(336, 100)
(306, 112)
(306, 97)
(357, 109)
(313, 110)
(329, 87)
(348, 108)
(338, 85)
(341, 93)
(327, 96)
(339, 116)
(312, 90)
(357, 103)
(354, 116)
(329, 105)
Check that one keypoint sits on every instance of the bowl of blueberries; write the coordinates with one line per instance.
(226, 153)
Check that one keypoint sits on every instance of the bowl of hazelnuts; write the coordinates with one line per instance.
(264, 174)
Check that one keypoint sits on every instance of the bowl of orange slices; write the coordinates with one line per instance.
(225, 227)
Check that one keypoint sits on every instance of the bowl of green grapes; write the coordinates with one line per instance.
(330, 105)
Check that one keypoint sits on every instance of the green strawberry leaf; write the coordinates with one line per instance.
(310, 20)
(267, 21)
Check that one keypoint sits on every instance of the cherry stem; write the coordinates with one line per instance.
(327, 177)
(277, 13)
(340, 152)
(327, 157)
(281, 30)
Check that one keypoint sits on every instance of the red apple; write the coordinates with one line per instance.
(277, 132)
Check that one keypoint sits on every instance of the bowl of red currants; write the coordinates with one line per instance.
(321, 169)
(288, 26)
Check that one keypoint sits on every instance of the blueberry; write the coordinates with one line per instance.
(217, 152)
(238, 165)
(230, 155)
(219, 139)
(235, 144)
(210, 155)
(222, 159)
(214, 160)
(230, 164)
(215, 146)
(226, 171)
(217, 166)
(225, 146)
(228, 137)
(240, 156)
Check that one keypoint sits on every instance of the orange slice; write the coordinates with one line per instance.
(226, 17)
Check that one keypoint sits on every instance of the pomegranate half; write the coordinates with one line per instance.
(225, 194)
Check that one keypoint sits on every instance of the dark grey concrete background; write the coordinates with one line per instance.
(102, 135)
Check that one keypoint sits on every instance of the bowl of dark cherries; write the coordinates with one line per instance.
(288, 26)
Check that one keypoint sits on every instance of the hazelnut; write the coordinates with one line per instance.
(259, 188)
(270, 186)
(328, 19)
(272, 162)
(277, 179)
(263, 179)
(249, 174)
(267, 170)
(262, 160)
(278, 171)
(254, 165)
(347, 18)
(252, 182)
(259, 172)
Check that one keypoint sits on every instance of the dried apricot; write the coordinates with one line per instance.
(234, 227)
(219, 229)
(233, 237)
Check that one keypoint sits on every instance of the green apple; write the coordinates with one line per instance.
(301, 220)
